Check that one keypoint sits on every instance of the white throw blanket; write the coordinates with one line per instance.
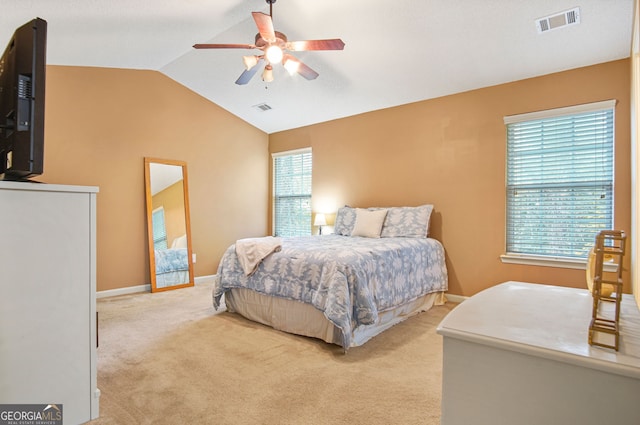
(252, 251)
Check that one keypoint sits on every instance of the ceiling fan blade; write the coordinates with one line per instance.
(330, 44)
(224, 46)
(248, 74)
(265, 26)
(299, 67)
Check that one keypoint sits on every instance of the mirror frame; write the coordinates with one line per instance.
(149, 205)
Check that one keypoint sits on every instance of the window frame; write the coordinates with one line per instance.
(274, 197)
(554, 260)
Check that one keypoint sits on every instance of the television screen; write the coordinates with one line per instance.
(22, 87)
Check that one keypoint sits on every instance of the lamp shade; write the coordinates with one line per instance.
(267, 74)
(320, 220)
(249, 61)
(291, 66)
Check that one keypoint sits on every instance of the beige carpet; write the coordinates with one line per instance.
(169, 358)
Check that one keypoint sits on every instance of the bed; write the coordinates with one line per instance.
(172, 267)
(376, 270)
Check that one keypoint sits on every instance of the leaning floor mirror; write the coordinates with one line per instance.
(168, 225)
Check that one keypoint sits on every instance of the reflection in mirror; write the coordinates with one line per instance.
(168, 224)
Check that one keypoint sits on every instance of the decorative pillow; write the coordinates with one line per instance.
(368, 223)
(179, 242)
(345, 220)
(407, 222)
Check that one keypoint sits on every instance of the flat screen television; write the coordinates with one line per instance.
(22, 87)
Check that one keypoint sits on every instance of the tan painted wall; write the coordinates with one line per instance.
(101, 123)
(450, 152)
(171, 199)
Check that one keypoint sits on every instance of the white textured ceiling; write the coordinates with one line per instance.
(397, 51)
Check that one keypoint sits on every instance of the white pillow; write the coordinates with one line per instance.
(179, 242)
(368, 223)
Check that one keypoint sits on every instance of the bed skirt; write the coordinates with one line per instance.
(303, 319)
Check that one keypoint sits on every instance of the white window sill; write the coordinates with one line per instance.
(560, 262)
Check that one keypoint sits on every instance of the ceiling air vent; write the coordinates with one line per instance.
(262, 107)
(568, 17)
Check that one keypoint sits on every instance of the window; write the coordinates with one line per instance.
(292, 193)
(559, 186)
(159, 229)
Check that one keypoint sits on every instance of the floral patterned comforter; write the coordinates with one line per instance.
(350, 279)
(171, 260)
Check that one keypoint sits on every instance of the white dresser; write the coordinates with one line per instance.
(48, 321)
(518, 353)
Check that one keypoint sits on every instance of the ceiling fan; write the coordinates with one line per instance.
(274, 46)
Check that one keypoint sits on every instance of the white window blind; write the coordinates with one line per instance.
(292, 193)
(559, 180)
(159, 229)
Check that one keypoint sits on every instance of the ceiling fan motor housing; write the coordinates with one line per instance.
(281, 40)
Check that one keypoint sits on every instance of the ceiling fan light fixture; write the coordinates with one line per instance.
(273, 45)
(274, 54)
(267, 74)
(250, 61)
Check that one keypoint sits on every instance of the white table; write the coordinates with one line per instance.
(518, 354)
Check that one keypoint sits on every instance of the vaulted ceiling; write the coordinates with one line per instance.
(396, 52)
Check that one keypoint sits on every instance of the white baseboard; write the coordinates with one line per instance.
(123, 291)
(204, 279)
(146, 288)
(455, 298)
